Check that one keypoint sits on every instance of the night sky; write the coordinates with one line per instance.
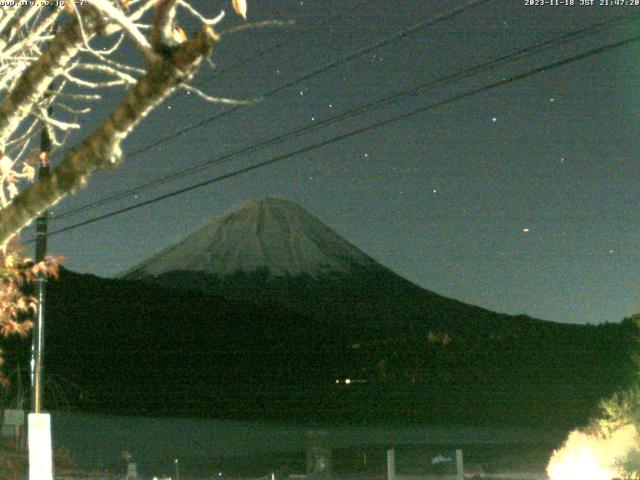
(521, 199)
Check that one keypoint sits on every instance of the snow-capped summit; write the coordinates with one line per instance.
(271, 233)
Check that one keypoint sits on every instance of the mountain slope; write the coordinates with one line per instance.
(308, 328)
(130, 347)
(273, 250)
(134, 347)
(124, 347)
(414, 354)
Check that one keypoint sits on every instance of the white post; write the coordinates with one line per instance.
(459, 465)
(40, 458)
(391, 464)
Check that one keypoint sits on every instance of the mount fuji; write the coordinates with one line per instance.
(271, 234)
(268, 313)
(274, 250)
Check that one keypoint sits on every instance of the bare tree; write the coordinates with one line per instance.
(42, 66)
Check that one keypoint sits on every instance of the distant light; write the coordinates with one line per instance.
(526, 230)
(494, 119)
(592, 456)
(337, 380)
(347, 381)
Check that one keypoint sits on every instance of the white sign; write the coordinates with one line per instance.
(40, 458)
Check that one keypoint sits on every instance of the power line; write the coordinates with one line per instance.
(358, 131)
(458, 75)
(317, 71)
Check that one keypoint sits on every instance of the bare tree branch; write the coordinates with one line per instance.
(16, 23)
(36, 33)
(103, 147)
(35, 80)
(221, 100)
(127, 26)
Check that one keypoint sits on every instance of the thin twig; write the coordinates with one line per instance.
(256, 25)
(224, 101)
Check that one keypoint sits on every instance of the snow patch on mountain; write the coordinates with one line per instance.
(271, 233)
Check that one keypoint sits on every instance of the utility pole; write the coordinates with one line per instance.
(40, 454)
(37, 335)
(39, 424)
(37, 342)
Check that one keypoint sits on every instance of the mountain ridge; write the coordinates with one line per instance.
(342, 282)
(359, 291)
